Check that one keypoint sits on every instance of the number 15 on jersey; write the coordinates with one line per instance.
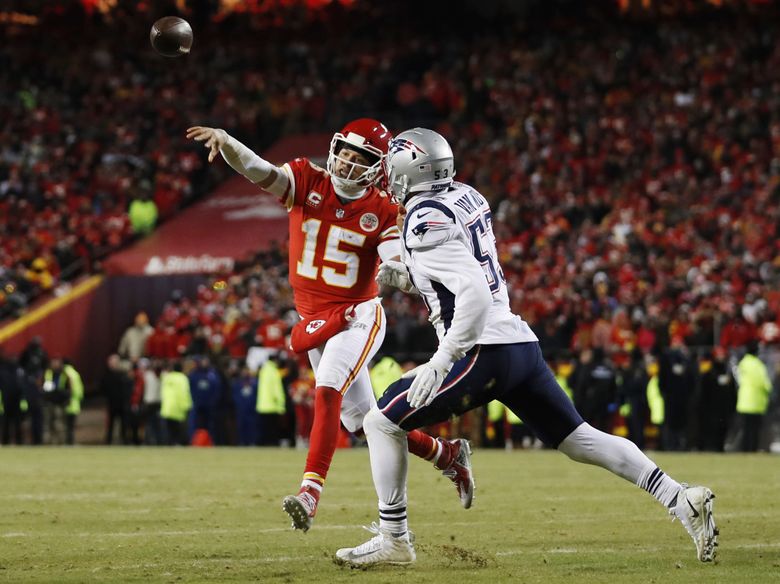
(307, 266)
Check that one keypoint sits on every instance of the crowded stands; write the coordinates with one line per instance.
(633, 167)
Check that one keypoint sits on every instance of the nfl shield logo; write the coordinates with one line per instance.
(339, 213)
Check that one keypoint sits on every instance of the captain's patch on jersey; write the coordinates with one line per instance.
(314, 199)
(369, 222)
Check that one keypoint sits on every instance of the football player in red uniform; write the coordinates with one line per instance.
(341, 224)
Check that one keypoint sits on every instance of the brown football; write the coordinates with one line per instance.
(171, 36)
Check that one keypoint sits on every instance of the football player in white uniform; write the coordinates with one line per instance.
(485, 353)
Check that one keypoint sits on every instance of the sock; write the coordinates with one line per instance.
(436, 450)
(389, 459)
(393, 519)
(322, 440)
(622, 457)
(423, 445)
(660, 485)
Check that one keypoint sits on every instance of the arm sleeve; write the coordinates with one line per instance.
(451, 264)
(259, 171)
(389, 249)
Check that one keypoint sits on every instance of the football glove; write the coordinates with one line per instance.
(428, 378)
(393, 273)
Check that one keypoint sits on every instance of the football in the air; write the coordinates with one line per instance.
(171, 36)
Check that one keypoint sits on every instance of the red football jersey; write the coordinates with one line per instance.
(333, 246)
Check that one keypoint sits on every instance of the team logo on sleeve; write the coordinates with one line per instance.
(314, 199)
(312, 327)
(425, 225)
(369, 222)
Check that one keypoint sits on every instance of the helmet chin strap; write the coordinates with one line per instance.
(349, 192)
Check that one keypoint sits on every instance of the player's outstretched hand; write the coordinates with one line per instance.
(428, 378)
(215, 138)
(393, 273)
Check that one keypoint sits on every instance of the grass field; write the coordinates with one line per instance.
(195, 515)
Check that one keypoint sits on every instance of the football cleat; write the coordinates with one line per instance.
(383, 548)
(694, 510)
(301, 508)
(459, 471)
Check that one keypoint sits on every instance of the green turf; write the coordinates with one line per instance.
(194, 515)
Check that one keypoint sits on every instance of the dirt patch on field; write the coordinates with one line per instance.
(457, 554)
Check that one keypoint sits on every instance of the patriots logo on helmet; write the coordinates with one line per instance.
(398, 144)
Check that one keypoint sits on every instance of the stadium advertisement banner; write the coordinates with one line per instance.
(230, 225)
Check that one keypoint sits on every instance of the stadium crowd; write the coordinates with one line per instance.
(633, 167)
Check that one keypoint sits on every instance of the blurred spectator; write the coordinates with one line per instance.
(73, 407)
(244, 389)
(11, 400)
(271, 401)
(752, 396)
(176, 402)
(57, 394)
(116, 386)
(676, 379)
(717, 401)
(132, 346)
(655, 402)
(34, 358)
(135, 411)
(206, 390)
(633, 391)
(595, 389)
(153, 431)
(143, 214)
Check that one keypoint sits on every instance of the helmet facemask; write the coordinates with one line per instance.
(397, 183)
(359, 176)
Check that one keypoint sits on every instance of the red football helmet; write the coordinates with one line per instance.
(367, 137)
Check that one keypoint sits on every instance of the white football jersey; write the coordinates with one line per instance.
(450, 251)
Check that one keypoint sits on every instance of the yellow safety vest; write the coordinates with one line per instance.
(270, 391)
(754, 386)
(384, 373)
(175, 397)
(76, 390)
(655, 401)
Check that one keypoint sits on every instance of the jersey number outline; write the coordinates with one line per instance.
(493, 272)
(333, 253)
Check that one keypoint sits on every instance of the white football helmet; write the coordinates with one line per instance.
(419, 160)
